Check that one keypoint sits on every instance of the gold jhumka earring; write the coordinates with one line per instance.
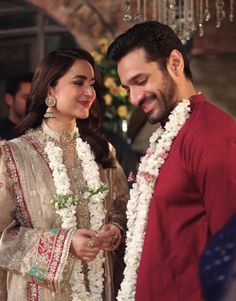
(50, 102)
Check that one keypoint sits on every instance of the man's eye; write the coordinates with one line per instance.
(141, 81)
(127, 90)
(78, 83)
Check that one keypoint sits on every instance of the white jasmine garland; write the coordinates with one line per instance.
(141, 195)
(65, 205)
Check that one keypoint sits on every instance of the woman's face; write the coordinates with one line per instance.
(74, 92)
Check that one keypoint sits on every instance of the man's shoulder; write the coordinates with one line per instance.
(209, 112)
(207, 117)
(208, 126)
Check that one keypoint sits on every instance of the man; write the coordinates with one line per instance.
(186, 185)
(17, 90)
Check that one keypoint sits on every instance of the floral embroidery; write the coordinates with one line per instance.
(32, 292)
(36, 273)
(141, 194)
(47, 258)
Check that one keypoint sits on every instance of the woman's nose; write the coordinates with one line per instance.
(89, 90)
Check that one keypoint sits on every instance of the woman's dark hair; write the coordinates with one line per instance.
(157, 39)
(47, 73)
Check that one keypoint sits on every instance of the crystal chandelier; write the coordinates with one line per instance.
(183, 16)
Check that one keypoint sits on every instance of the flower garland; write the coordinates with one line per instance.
(65, 204)
(141, 195)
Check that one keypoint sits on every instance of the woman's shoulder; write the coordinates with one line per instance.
(13, 146)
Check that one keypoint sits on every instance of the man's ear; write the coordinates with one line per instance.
(175, 63)
(9, 99)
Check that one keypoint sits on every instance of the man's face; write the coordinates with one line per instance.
(19, 101)
(148, 86)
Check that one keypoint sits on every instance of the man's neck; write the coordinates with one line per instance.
(186, 90)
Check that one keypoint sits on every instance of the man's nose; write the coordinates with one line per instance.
(135, 96)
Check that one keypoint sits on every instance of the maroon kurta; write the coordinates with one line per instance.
(195, 195)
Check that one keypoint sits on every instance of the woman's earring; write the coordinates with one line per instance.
(50, 102)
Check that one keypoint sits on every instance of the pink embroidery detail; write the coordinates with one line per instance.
(38, 149)
(32, 292)
(57, 254)
(44, 250)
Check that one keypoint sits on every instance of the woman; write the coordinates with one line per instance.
(62, 193)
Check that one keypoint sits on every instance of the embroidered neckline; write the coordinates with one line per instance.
(65, 139)
(142, 192)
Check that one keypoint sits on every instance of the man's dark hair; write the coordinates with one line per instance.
(157, 39)
(13, 83)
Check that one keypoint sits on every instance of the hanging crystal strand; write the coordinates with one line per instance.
(220, 13)
(207, 13)
(172, 14)
(187, 24)
(144, 10)
(200, 25)
(192, 16)
(231, 11)
(159, 10)
(127, 16)
(179, 29)
(154, 9)
(164, 11)
(137, 16)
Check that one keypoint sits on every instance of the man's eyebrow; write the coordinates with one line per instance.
(132, 79)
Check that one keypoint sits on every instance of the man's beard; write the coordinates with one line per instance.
(165, 102)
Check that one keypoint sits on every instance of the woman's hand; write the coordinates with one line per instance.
(85, 245)
(109, 236)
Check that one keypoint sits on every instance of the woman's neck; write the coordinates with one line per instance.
(61, 126)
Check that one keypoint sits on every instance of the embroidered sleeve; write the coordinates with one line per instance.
(6, 209)
(41, 256)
